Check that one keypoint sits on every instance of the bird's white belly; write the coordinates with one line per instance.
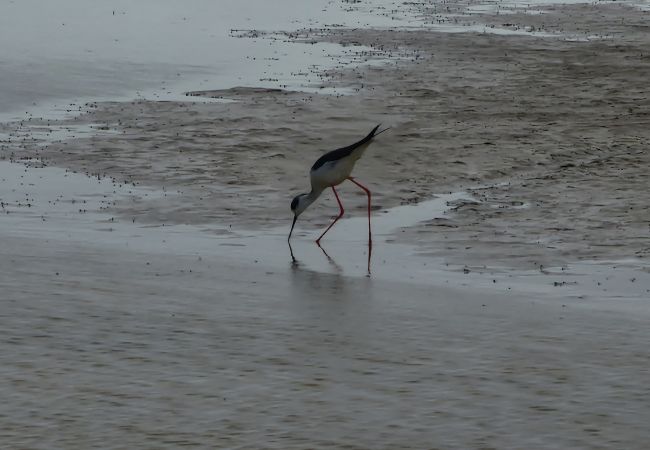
(332, 173)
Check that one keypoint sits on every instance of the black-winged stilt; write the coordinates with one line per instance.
(330, 170)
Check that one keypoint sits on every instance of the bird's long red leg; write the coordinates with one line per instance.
(337, 218)
(369, 205)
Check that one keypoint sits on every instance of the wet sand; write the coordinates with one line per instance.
(156, 305)
(549, 134)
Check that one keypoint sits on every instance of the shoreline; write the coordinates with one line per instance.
(60, 207)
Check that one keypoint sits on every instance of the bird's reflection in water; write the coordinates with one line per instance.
(334, 264)
(369, 256)
(310, 282)
(329, 303)
(295, 263)
(338, 268)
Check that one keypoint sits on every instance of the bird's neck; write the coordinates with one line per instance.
(306, 200)
(312, 196)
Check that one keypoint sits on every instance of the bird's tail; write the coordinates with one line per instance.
(366, 140)
(360, 147)
(377, 133)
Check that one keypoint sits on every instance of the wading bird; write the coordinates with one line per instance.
(330, 170)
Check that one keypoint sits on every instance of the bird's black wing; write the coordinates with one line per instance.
(341, 153)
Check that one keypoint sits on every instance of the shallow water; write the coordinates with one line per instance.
(118, 335)
(67, 53)
(83, 209)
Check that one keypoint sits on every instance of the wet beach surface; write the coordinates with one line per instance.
(149, 299)
(548, 133)
(170, 336)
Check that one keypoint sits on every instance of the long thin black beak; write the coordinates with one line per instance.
(292, 225)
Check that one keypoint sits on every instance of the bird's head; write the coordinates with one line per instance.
(299, 204)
